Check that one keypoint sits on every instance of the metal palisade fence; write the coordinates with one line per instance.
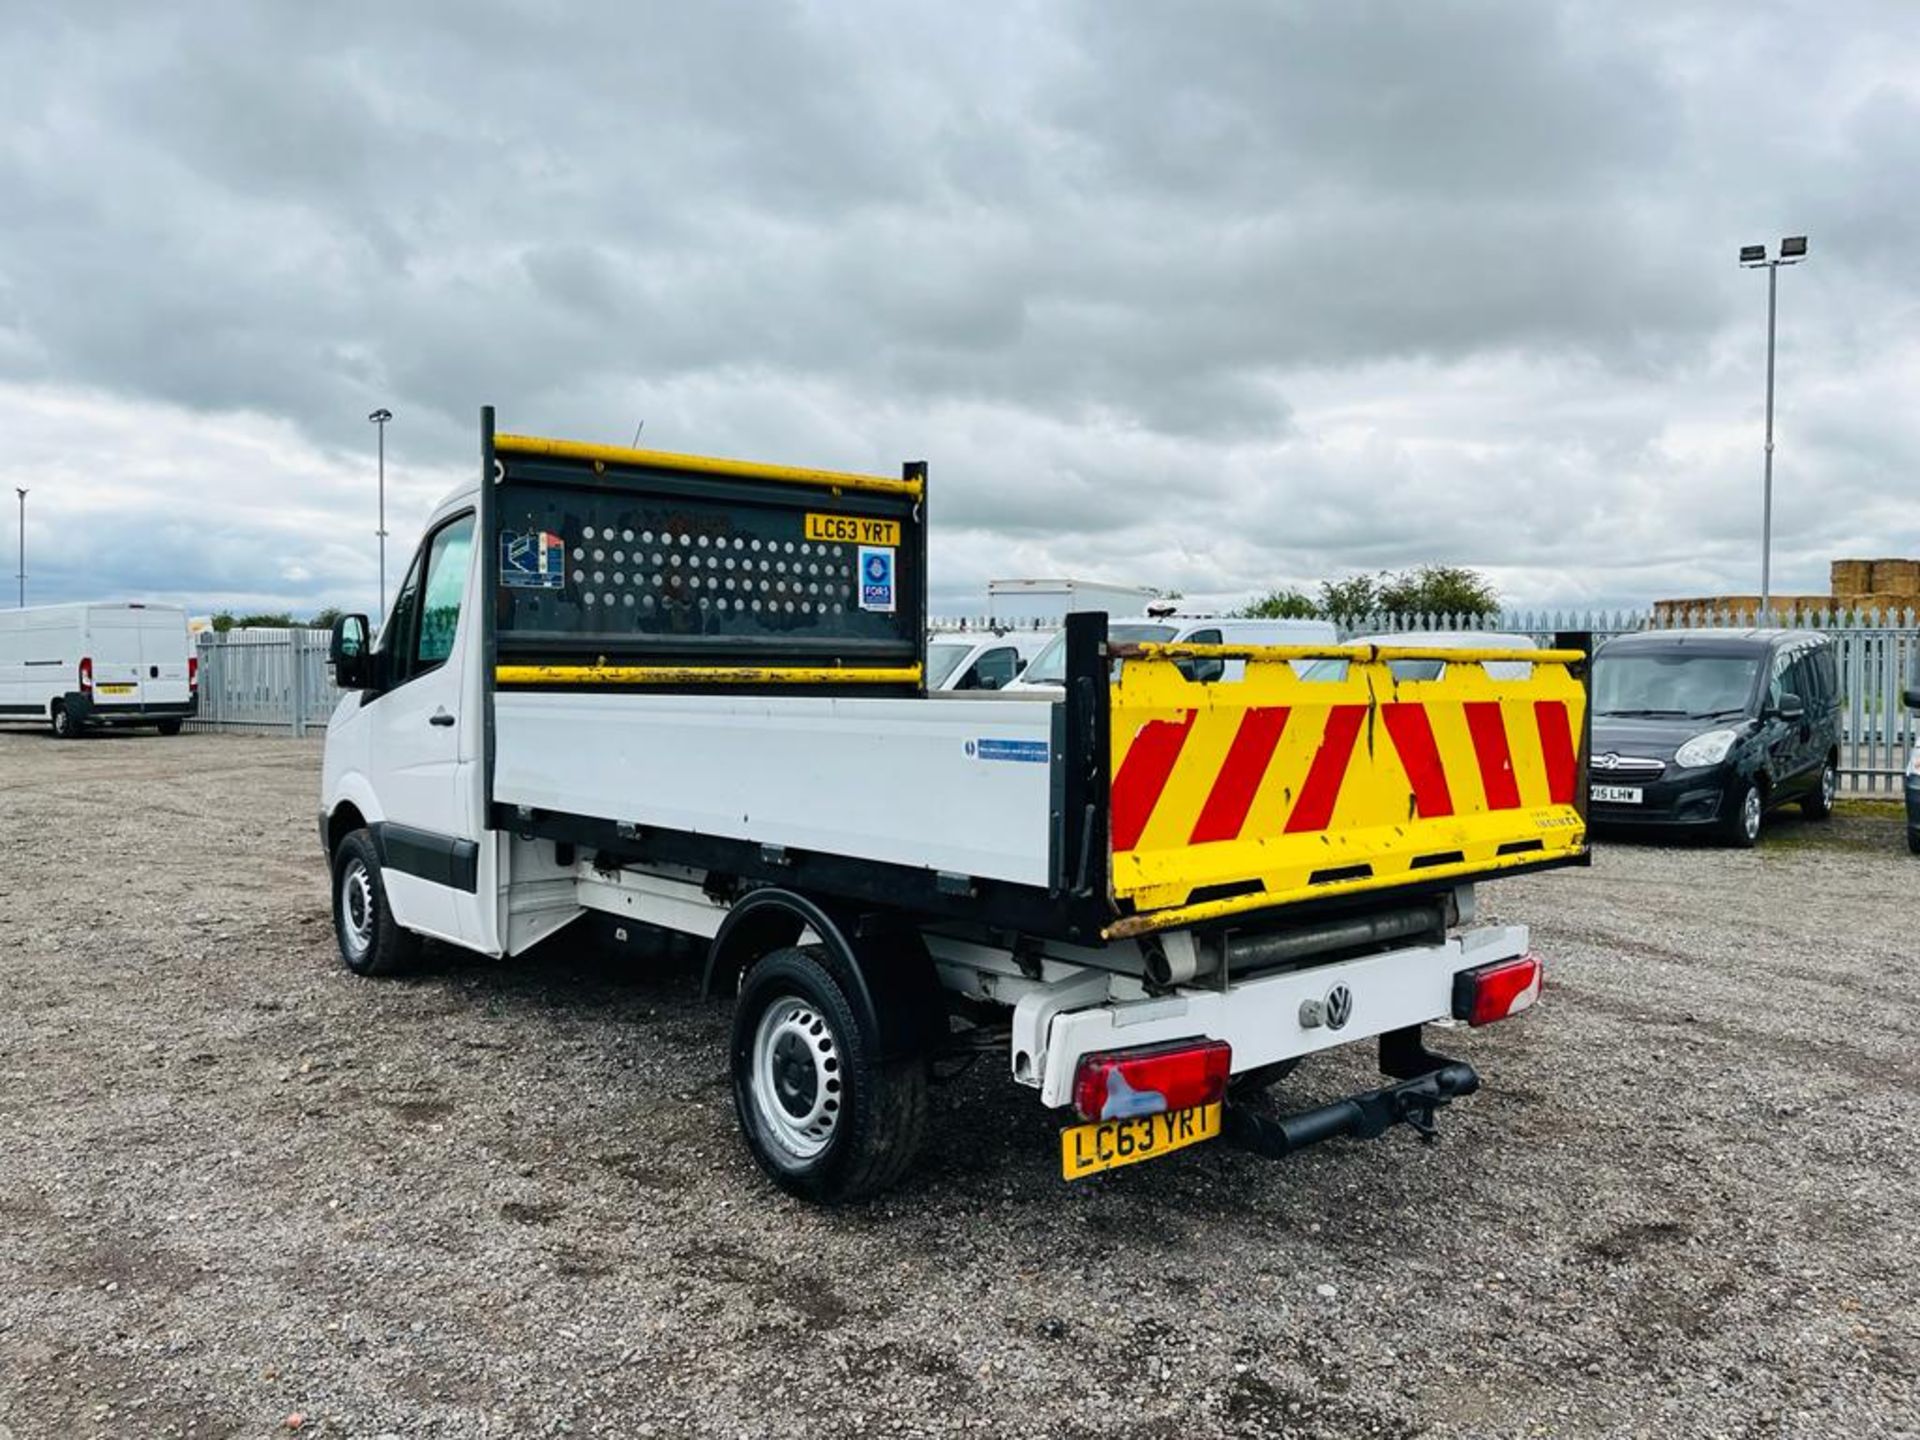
(265, 682)
(277, 681)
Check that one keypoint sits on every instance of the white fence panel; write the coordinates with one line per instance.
(265, 681)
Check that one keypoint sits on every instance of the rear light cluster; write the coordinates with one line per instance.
(86, 675)
(1176, 1076)
(1493, 992)
(193, 674)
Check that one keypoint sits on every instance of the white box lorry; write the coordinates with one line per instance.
(1048, 602)
(687, 693)
(79, 666)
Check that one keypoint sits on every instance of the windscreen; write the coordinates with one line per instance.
(1677, 684)
(1050, 666)
(943, 658)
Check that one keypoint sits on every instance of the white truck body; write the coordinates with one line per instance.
(492, 800)
(1051, 601)
(97, 663)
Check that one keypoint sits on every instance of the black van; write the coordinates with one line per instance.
(1710, 729)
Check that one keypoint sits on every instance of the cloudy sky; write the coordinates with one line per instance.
(1208, 296)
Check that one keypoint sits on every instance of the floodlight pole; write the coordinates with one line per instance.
(1754, 257)
(23, 545)
(1766, 500)
(380, 418)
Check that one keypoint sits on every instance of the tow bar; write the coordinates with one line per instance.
(1426, 1082)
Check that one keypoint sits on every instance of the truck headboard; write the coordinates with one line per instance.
(630, 568)
(1227, 797)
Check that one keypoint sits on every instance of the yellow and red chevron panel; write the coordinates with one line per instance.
(1280, 788)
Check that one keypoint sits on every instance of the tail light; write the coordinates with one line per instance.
(193, 674)
(1493, 992)
(86, 675)
(1175, 1076)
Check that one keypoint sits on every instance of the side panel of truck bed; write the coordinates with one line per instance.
(963, 788)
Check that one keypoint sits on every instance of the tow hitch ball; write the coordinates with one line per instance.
(1425, 1082)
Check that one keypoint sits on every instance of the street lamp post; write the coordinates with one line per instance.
(380, 418)
(1793, 249)
(23, 545)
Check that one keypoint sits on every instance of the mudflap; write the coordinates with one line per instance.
(1426, 1082)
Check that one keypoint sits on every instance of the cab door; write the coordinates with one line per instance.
(429, 857)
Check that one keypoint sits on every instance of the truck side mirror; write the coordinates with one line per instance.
(350, 652)
(1792, 707)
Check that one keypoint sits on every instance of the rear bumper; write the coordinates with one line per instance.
(91, 711)
(1268, 1018)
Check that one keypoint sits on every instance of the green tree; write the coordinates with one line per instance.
(1440, 590)
(1286, 604)
(274, 620)
(323, 619)
(223, 622)
(1354, 598)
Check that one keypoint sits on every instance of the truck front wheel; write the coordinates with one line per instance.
(371, 941)
(825, 1116)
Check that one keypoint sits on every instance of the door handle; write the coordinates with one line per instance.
(440, 717)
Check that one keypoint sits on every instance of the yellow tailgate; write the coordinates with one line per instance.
(1282, 788)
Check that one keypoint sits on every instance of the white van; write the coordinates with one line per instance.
(981, 659)
(71, 666)
(1048, 672)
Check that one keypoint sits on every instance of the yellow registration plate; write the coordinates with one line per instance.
(114, 689)
(1109, 1144)
(853, 530)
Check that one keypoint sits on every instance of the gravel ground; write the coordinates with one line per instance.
(238, 1185)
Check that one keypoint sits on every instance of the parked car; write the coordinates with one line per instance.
(1048, 672)
(980, 659)
(1710, 729)
(1403, 670)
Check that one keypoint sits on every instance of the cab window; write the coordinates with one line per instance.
(993, 670)
(426, 613)
(1207, 671)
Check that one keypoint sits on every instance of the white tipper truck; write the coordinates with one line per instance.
(688, 693)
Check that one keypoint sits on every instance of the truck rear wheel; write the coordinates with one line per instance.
(169, 727)
(825, 1116)
(371, 941)
(65, 727)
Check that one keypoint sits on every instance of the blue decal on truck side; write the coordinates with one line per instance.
(534, 561)
(1030, 752)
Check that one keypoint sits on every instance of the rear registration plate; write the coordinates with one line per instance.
(114, 689)
(1617, 794)
(1108, 1144)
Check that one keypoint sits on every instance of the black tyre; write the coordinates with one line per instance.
(65, 726)
(371, 941)
(1913, 841)
(1262, 1078)
(1745, 807)
(824, 1116)
(169, 727)
(1819, 802)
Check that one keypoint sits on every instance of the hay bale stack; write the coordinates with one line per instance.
(1896, 577)
(1850, 578)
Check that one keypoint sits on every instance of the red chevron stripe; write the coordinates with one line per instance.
(1314, 808)
(1143, 776)
(1556, 749)
(1240, 775)
(1412, 733)
(1489, 730)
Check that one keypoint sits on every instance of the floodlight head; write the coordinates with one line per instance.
(1794, 247)
(380, 417)
(1753, 254)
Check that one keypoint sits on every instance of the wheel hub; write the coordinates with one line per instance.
(796, 1083)
(356, 907)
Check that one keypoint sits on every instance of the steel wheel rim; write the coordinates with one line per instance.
(1750, 814)
(1829, 786)
(796, 1079)
(356, 908)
